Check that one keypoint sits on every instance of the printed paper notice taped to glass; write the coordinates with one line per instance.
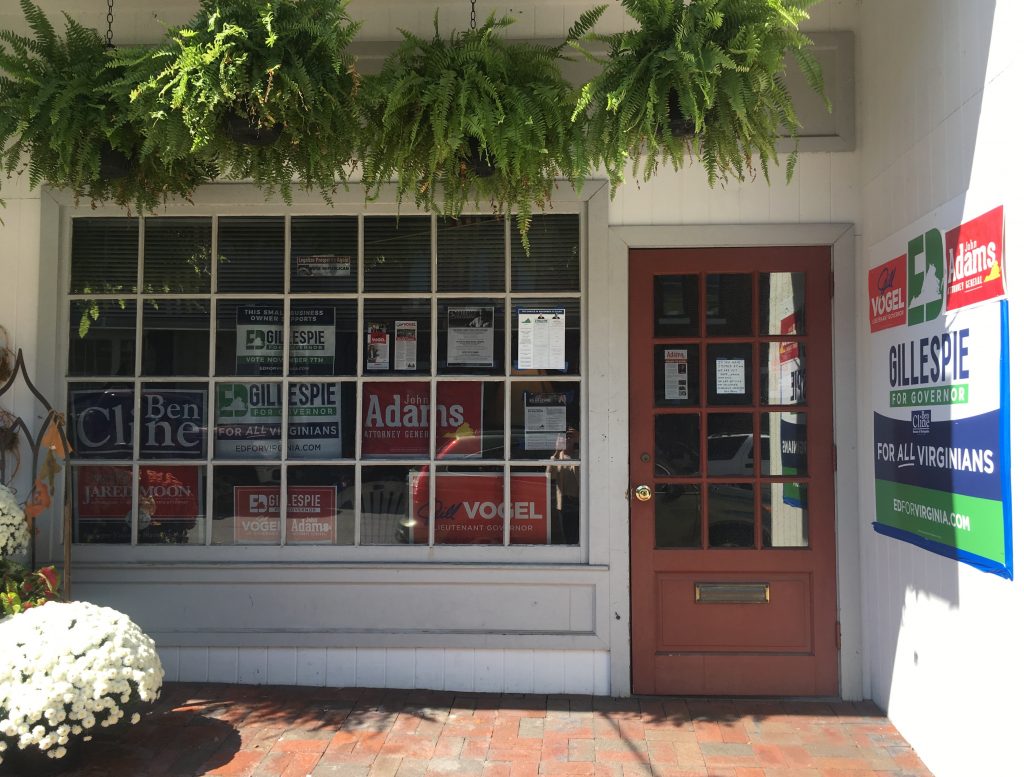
(470, 336)
(730, 376)
(323, 266)
(405, 345)
(378, 347)
(541, 339)
(545, 421)
(677, 374)
(940, 352)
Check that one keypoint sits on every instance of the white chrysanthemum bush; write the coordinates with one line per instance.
(14, 536)
(68, 668)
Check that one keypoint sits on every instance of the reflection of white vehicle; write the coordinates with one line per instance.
(733, 454)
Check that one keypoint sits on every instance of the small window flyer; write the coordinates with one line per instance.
(323, 266)
(730, 376)
(545, 416)
(405, 345)
(470, 336)
(677, 376)
(541, 339)
(378, 347)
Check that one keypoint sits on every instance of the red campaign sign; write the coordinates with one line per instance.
(311, 515)
(788, 351)
(974, 261)
(165, 493)
(396, 417)
(469, 508)
(887, 294)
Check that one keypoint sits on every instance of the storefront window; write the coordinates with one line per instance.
(325, 381)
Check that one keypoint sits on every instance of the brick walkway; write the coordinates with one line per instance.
(248, 731)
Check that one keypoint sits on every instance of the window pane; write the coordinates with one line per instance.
(675, 306)
(321, 420)
(397, 336)
(396, 253)
(250, 338)
(386, 515)
(102, 338)
(320, 506)
(783, 367)
(325, 253)
(676, 445)
(470, 420)
(104, 255)
(784, 516)
(676, 516)
(731, 515)
(729, 373)
(676, 375)
(396, 420)
(250, 254)
(173, 421)
(471, 254)
(248, 421)
(729, 304)
(177, 255)
(175, 337)
(322, 338)
(553, 263)
(100, 420)
(469, 505)
(545, 505)
(730, 444)
(471, 337)
(784, 443)
(545, 420)
(781, 303)
(246, 506)
(172, 505)
(553, 346)
(102, 504)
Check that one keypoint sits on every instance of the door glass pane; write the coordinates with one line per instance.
(730, 444)
(676, 445)
(396, 336)
(387, 517)
(175, 337)
(783, 367)
(471, 336)
(322, 337)
(325, 253)
(729, 374)
(731, 515)
(553, 263)
(177, 255)
(250, 337)
(781, 303)
(471, 254)
(676, 516)
(320, 506)
(104, 255)
(172, 505)
(396, 253)
(785, 520)
(246, 505)
(784, 443)
(250, 254)
(729, 305)
(675, 306)
(676, 375)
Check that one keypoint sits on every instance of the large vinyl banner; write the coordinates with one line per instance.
(940, 359)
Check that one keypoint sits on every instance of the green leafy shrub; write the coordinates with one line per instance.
(21, 590)
(719, 63)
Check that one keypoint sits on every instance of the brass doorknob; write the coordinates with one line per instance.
(643, 493)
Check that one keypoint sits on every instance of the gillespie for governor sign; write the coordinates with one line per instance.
(939, 352)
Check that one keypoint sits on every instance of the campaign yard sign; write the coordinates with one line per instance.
(310, 515)
(259, 340)
(940, 348)
(396, 418)
(169, 493)
(469, 508)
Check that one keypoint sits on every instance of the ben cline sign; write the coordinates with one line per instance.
(469, 508)
(310, 515)
(173, 423)
(939, 344)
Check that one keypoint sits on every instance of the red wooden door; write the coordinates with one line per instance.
(733, 575)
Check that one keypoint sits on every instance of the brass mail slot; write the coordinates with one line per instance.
(732, 593)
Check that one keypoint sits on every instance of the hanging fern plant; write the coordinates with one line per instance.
(473, 117)
(264, 86)
(697, 77)
(65, 116)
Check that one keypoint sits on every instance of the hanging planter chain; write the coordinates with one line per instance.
(472, 14)
(110, 24)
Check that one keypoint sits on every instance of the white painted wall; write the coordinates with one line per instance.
(941, 97)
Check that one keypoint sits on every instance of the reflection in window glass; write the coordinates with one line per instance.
(676, 375)
(104, 255)
(469, 505)
(250, 337)
(675, 306)
(100, 420)
(676, 516)
(784, 443)
(247, 506)
(470, 420)
(102, 504)
(320, 506)
(177, 255)
(471, 254)
(396, 253)
(250, 254)
(783, 370)
(172, 503)
(471, 336)
(781, 303)
(730, 444)
(397, 336)
(545, 420)
(101, 338)
(731, 515)
(387, 518)
(325, 253)
(729, 304)
(554, 522)
(176, 337)
(173, 421)
(560, 320)
(553, 263)
(784, 515)
(676, 445)
(248, 421)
